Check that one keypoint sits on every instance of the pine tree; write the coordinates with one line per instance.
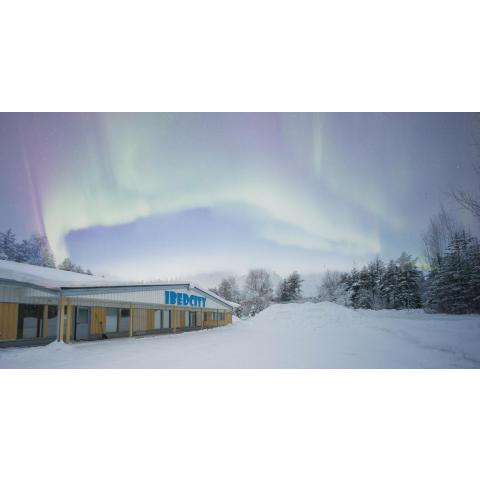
(408, 291)
(353, 287)
(36, 251)
(388, 285)
(67, 265)
(8, 245)
(364, 295)
(282, 291)
(474, 282)
(454, 286)
(294, 286)
(376, 272)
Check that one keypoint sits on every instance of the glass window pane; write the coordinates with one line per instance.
(29, 321)
(82, 316)
(124, 320)
(30, 327)
(158, 320)
(187, 319)
(166, 319)
(112, 320)
(52, 325)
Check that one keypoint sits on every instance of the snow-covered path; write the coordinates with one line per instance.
(307, 335)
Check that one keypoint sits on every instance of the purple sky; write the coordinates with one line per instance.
(164, 195)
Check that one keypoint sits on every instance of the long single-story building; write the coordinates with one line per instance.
(39, 305)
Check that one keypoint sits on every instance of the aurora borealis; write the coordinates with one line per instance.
(161, 195)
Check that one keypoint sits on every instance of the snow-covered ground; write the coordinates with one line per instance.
(321, 335)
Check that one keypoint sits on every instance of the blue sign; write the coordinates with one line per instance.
(174, 298)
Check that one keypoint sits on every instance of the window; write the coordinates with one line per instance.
(52, 324)
(157, 323)
(193, 319)
(30, 320)
(187, 319)
(112, 320)
(124, 324)
(205, 316)
(166, 320)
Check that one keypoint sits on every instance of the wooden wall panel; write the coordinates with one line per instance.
(69, 322)
(140, 323)
(8, 321)
(150, 319)
(45, 320)
(98, 320)
(181, 318)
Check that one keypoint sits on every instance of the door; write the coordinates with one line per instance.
(82, 323)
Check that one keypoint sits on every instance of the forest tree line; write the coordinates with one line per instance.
(448, 282)
(34, 251)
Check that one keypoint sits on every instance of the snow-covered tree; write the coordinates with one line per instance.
(454, 287)
(228, 289)
(69, 266)
(408, 286)
(8, 245)
(389, 285)
(335, 287)
(257, 292)
(290, 288)
(294, 286)
(282, 291)
(36, 251)
(377, 286)
(440, 231)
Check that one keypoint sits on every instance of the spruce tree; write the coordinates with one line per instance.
(8, 245)
(294, 286)
(408, 291)
(454, 286)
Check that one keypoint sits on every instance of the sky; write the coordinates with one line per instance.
(148, 196)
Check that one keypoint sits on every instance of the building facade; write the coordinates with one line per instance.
(39, 305)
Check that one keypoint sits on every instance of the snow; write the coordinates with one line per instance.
(321, 335)
(48, 277)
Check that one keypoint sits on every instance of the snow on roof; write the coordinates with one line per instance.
(53, 278)
(48, 277)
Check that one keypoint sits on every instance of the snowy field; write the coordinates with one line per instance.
(307, 335)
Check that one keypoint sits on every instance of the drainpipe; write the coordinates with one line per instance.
(69, 321)
(131, 322)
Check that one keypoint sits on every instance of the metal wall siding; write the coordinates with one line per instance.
(148, 297)
(19, 294)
